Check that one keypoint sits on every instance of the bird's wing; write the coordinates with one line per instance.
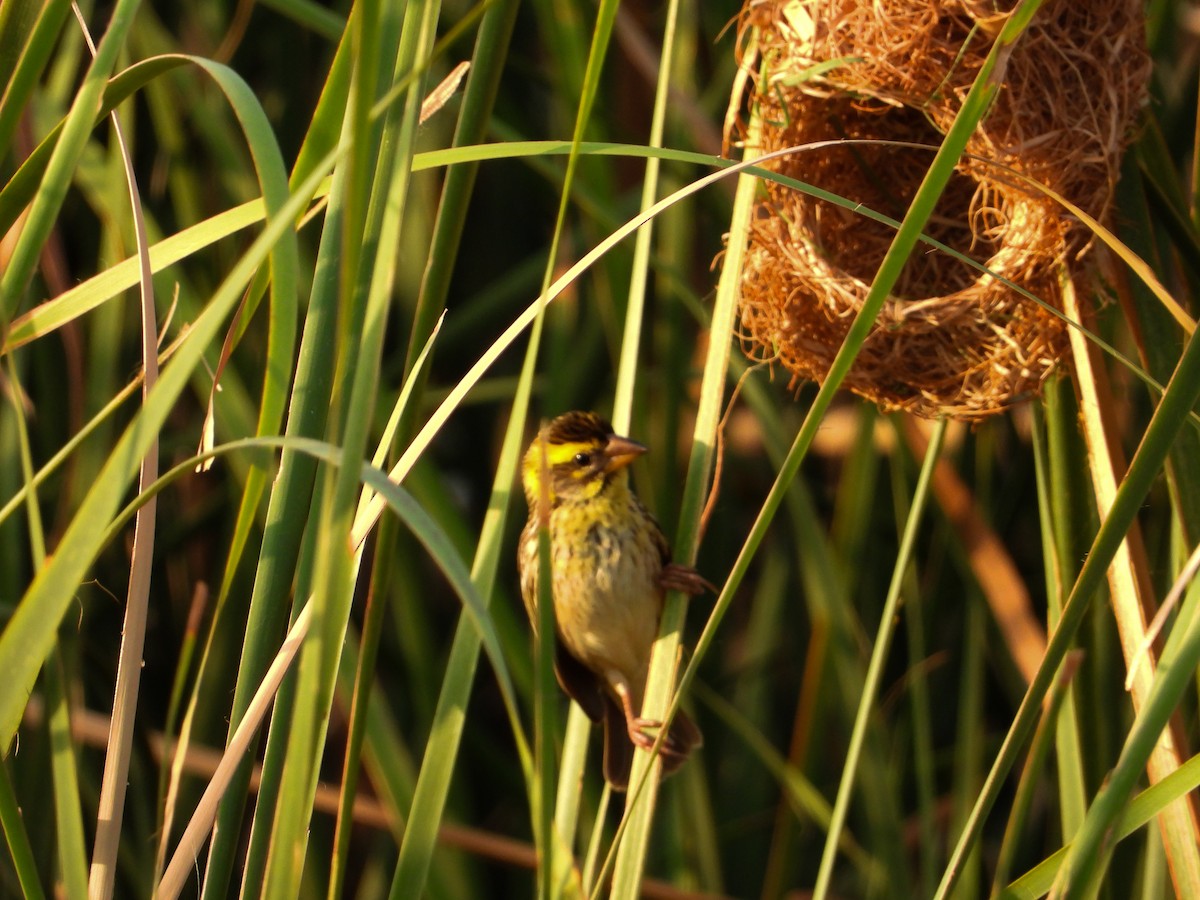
(618, 751)
(656, 534)
(580, 683)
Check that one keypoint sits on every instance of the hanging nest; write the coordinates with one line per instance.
(950, 340)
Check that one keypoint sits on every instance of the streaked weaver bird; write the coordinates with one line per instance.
(611, 568)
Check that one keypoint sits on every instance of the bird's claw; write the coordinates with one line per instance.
(677, 577)
(639, 737)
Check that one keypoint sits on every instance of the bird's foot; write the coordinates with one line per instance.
(638, 727)
(677, 577)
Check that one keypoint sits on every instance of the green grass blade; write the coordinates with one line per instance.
(68, 817)
(287, 516)
(62, 161)
(335, 572)
(441, 752)
(636, 302)
(18, 840)
(545, 718)
(479, 96)
(30, 633)
(413, 864)
(431, 536)
(31, 58)
(879, 651)
(973, 109)
(1057, 478)
(630, 859)
(364, 671)
(1139, 811)
(1091, 850)
(1173, 409)
(1043, 741)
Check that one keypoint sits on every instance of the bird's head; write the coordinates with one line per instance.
(579, 456)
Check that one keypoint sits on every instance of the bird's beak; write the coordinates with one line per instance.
(621, 451)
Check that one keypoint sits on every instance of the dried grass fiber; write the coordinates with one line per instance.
(951, 340)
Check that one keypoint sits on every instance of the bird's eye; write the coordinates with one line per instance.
(583, 459)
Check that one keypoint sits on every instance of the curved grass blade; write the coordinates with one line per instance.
(631, 851)
(364, 671)
(50, 191)
(491, 45)
(986, 85)
(49, 315)
(441, 550)
(111, 807)
(30, 633)
(370, 287)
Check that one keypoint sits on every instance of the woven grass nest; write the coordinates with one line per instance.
(951, 340)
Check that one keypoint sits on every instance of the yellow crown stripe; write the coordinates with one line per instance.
(558, 454)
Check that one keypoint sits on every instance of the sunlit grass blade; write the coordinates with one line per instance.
(287, 517)
(1126, 576)
(607, 292)
(975, 105)
(368, 282)
(635, 309)
(1138, 812)
(545, 699)
(433, 783)
(479, 96)
(61, 163)
(431, 536)
(365, 669)
(273, 181)
(1091, 849)
(490, 51)
(30, 633)
(291, 499)
(887, 625)
(630, 859)
(186, 852)
(1057, 476)
(1174, 407)
(627, 366)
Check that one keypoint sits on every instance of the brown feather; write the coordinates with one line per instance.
(574, 427)
(579, 682)
(618, 750)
